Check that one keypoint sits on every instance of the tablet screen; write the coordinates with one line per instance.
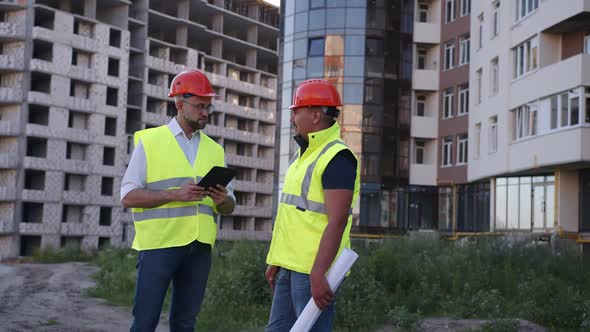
(217, 175)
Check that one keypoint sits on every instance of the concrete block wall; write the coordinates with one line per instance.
(93, 34)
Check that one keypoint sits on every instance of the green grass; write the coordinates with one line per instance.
(52, 255)
(394, 282)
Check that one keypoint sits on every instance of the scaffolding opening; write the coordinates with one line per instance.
(106, 186)
(40, 82)
(72, 214)
(34, 179)
(105, 215)
(42, 50)
(110, 126)
(36, 147)
(29, 244)
(44, 18)
(32, 212)
(112, 96)
(74, 182)
(108, 156)
(78, 120)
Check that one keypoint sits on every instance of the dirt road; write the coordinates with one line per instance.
(50, 297)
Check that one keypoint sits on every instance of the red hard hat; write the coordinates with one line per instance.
(192, 82)
(316, 93)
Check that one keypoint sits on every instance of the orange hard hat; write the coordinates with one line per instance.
(191, 82)
(316, 92)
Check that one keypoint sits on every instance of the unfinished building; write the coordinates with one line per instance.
(79, 77)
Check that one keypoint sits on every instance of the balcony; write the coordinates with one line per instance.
(11, 31)
(11, 95)
(241, 86)
(423, 174)
(239, 135)
(253, 211)
(425, 79)
(155, 118)
(246, 112)
(7, 193)
(250, 186)
(9, 128)
(548, 149)
(163, 65)
(8, 160)
(424, 126)
(243, 161)
(563, 75)
(12, 62)
(155, 91)
(427, 33)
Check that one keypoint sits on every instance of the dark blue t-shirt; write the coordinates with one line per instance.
(340, 172)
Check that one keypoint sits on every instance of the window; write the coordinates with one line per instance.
(419, 153)
(495, 74)
(496, 19)
(464, 50)
(480, 31)
(464, 100)
(587, 115)
(447, 152)
(317, 3)
(420, 105)
(449, 55)
(574, 111)
(421, 59)
(525, 7)
(477, 140)
(493, 139)
(449, 11)
(316, 47)
(423, 12)
(448, 104)
(554, 111)
(525, 122)
(465, 7)
(110, 126)
(462, 150)
(563, 98)
(478, 78)
(525, 57)
(374, 47)
(587, 44)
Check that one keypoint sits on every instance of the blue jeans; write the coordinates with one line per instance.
(292, 292)
(188, 269)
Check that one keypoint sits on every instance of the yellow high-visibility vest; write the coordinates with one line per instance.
(175, 224)
(301, 217)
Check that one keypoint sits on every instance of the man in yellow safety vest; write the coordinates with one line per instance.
(314, 216)
(174, 218)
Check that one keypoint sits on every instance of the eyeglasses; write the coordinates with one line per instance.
(201, 107)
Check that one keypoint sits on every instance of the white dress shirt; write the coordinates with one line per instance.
(136, 173)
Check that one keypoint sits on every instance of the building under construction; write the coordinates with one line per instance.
(79, 77)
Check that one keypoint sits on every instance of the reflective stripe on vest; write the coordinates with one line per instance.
(183, 211)
(169, 183)
(301, 202)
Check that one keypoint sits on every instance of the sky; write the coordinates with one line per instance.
(274, 2)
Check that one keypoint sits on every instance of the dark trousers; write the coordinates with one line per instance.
(188, 269)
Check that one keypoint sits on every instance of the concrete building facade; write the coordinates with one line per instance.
(78, 78)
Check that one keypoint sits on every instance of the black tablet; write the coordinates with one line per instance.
(217, 175)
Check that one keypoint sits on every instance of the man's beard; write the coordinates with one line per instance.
(195, 125)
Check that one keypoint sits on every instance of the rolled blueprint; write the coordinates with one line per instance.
(335, 276)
